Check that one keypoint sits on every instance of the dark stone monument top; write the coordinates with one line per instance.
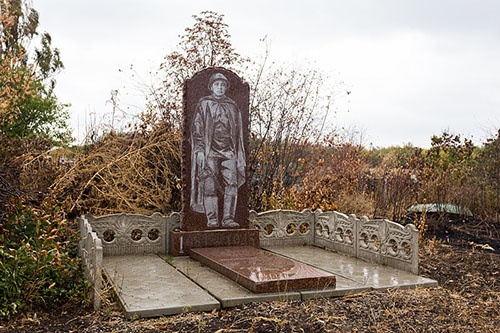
(215, 151)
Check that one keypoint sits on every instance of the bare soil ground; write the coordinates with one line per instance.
(467, 300)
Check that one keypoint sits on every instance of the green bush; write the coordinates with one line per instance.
(38, 261)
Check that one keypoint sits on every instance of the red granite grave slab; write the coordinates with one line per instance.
(182, 241)
(261, 271)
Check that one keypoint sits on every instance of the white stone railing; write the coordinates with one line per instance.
(397, 245)
(283, 227)
(134, 233)
(91, 251)
(336, 231)
(378, 241)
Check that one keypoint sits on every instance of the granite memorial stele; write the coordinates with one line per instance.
(214, 163)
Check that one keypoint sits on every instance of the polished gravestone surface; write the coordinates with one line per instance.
(261, 271)
(215, 149)
(214, 166)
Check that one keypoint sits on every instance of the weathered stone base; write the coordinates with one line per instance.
(147, 286)
(262, 271)
(182, 241)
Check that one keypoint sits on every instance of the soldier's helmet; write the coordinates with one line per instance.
(217, 77)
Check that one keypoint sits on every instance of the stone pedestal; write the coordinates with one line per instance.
(181, 242)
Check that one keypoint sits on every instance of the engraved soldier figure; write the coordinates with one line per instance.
(217, 155)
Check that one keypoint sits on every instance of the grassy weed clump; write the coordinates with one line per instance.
(38, 261)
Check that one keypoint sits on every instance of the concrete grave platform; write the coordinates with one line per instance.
(149, 285)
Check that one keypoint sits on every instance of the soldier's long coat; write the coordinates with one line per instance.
(202, 131)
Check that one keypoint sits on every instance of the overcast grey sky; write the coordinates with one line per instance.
(415, 68)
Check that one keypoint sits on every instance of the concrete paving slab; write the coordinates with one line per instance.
(344, 287)
(361, 273)
(228, 292)
(147, 287)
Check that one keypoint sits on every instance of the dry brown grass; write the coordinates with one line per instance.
(135, 172)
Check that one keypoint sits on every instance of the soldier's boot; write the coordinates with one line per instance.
(211, 210)
(229, 211)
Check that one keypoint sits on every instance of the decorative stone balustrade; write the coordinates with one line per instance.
(336, 231)
(90, 250)
(378, 241)
(388, 243)
(134, 233)
(283, 227)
